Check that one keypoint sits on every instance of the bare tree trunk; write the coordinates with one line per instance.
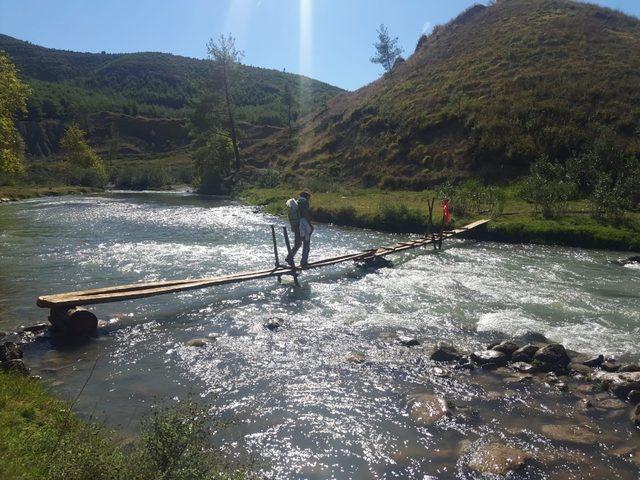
(232, 123)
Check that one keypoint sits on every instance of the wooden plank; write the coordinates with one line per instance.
(150, 289)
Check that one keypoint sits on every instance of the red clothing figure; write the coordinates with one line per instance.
(446, 214)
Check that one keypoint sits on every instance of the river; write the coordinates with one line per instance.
(295, 403)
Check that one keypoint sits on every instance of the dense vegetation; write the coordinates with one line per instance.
(41, 438)
(484, 96)
(72, 86)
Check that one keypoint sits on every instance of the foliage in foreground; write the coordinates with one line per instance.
(40, 438)
(13, 101)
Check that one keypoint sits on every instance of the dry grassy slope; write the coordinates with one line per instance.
(482, 96)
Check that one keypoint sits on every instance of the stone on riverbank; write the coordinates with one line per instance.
(444, 352)
(37, 328)
(630, 367)
(524, 354)
(588, 360)
(523, 367)
(580, 369)
(497, 459)
(427, 408)
(489, 358)
(10, 351)
(15, 365)
(610, 366)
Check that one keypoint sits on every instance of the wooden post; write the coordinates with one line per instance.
(288, 244)
(431, 204)
(275, 251)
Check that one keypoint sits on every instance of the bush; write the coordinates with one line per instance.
(400, 218)
(268, 178)
(548, 188)
(473, 198)
(213, 165)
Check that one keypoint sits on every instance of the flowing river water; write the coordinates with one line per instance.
(297, 407)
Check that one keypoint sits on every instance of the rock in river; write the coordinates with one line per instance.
(427, 408)
(198, 342)
(274, 323)
(489, 357)
(408, 341)
(552, 357)
(497, 459)
(618, 383)
(524, 354)
(506, 347)
(443, 352)
(635, 415)
(570, 433)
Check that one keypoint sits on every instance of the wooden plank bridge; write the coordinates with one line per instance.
(61, 303)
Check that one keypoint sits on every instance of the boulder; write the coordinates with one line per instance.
(37, 328)
(274, 323)
(580, 368)
(552, 357)
(610, 366)
(523, 367)
(198, 342)
(427, 408)
(444, 352)
(497, 459)
(10, 351)
(570, 434)
(630, 367)
(618, 383)
(533, 337)
(408, 341)
(357, 358)
(506, 347)
(524, 354)
(635, 415)
(634, 396)
(489, 357)
(15, 365)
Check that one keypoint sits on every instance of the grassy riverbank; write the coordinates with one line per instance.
(32, 191)
(406, 211)
(41, 438)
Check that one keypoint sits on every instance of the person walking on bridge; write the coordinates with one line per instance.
(301, 227)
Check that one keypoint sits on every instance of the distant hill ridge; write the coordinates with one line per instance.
(484, 95)
(69, 84)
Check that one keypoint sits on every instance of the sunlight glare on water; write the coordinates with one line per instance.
(297, 404)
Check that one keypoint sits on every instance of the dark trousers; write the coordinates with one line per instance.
(297, 243)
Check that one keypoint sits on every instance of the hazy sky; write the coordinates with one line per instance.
(331, 40)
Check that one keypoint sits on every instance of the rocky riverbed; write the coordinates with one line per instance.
(528, 406)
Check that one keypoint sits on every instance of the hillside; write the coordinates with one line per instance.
(482, 96)
(143, 93)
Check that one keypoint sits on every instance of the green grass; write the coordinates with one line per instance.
(40, 438)
(406, 211)
(21, 192)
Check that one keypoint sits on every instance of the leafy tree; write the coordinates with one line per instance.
(13, 101)
(226, 59)
(548, 187)
(289, 102)
(85, 165)
(213, 164)
(387, 49)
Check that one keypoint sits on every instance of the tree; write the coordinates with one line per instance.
(548, 188)
(289, 101)
(226, 58)
(213, 164)
(86, 167)
(13, 101)
(387, 49)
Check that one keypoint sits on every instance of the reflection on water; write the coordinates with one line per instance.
(297, 404)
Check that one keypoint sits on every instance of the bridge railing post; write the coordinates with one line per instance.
(275, 251)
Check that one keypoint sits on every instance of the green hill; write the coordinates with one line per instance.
(482, 96)
(143, 98)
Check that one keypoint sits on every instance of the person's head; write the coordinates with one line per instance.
(305, 194)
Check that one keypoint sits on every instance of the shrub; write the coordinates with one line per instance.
(400, 218)
(268, 178)
(548, 188)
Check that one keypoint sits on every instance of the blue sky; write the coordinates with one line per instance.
(327, 39)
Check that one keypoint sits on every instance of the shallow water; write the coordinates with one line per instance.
(298, 407)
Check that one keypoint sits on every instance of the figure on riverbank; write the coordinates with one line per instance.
(301, 227)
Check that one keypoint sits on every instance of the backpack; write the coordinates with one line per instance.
(293, 211)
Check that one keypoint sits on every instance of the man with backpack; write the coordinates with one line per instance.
(301, 227)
